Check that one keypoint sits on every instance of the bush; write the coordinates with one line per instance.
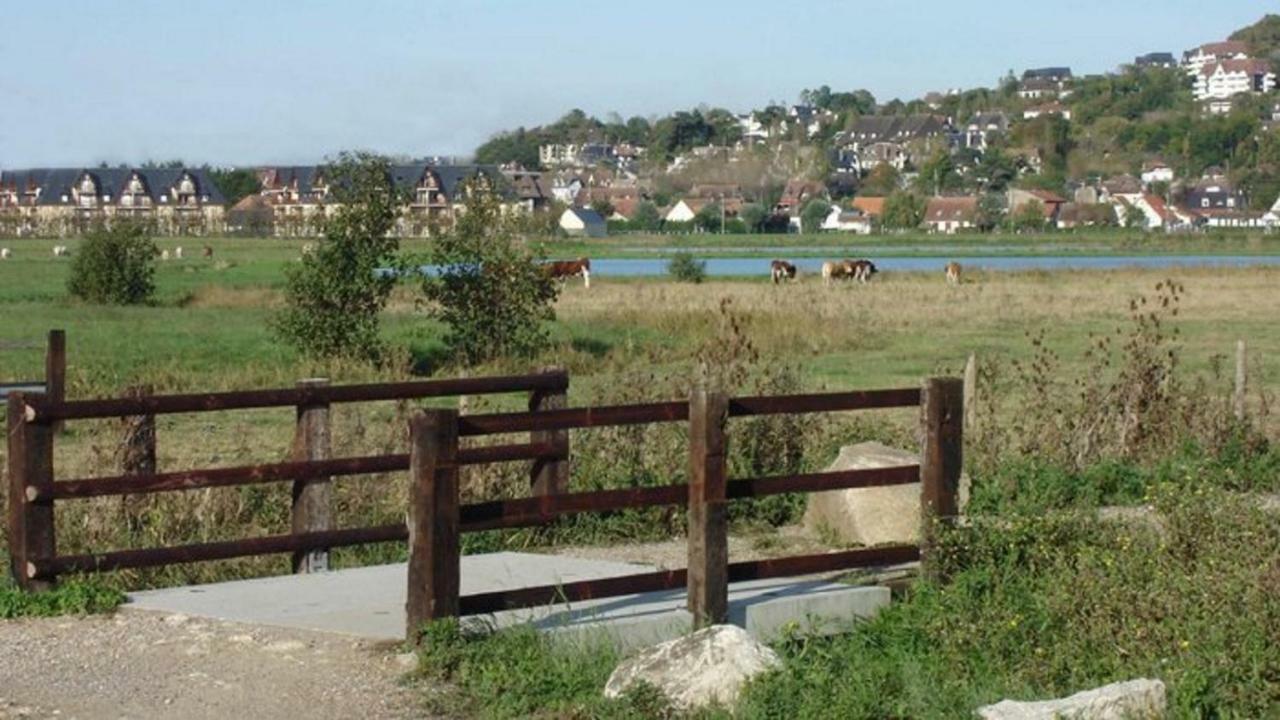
(333, 297)
(685, 267)
(115, 265)
(492, 293)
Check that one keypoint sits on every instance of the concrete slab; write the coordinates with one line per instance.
(369, 602)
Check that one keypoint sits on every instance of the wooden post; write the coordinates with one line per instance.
(55, 370)
(31, 528)
(434, 549)
(941, 459)
(970, 392)
(708, 510)
(312, 508)
(138, 447)
(1241, 381)
(550, 477)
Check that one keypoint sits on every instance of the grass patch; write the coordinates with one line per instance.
(72, 597)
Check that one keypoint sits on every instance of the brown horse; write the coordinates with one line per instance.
(780, 270)
(953, 273)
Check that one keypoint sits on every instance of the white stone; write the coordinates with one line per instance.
(708, 666)
(284, 646)
(868, 516)
(1141, 699)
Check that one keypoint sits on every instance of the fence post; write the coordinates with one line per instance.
(31, 528)
(971, 392)
(550, 477)
(138, 448)
(1241, 381)
(708, 574)
(434, 548)
(55, 370)
(941, 459)
(312, 508)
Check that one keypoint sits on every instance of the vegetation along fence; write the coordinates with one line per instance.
(436, 517)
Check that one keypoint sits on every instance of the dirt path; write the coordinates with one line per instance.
(143, 665)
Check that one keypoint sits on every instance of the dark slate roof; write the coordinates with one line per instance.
(56, 182)
(1049, 73)
(1155, 58)
(895, 128)
(587, 216)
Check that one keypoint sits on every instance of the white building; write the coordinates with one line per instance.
(851, 221)
(580, 222)
(681, 212)
(1157, 171)
(1195, 60)
(1225, 79)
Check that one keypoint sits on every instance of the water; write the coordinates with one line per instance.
(727, 266)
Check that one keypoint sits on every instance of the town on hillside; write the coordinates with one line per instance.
(1163, 144)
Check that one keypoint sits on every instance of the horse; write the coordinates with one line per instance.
(177, 253)
(208, 251)
(61, 251)
(564, 269)
(953, 273)
(780, 270)
(5, 253)
(862, 269)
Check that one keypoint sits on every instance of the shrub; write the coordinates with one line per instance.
(491, 292)
(685, 267)
(115, 265)
(333, 297)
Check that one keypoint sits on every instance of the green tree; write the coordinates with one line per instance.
(603, 208)
(115, 265)
(990, 211)
(646, 216)
(938, 174)
(709, 217)
(881, 181)
(235, 184)
(753, 216)
(685, 267)
(1028, 216)
(812, 215)
(903, 210)
(334, 296)
(518, 146)
(491, 292)
(1134, 217)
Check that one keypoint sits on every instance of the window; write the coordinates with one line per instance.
(1204, 202)
(1231, 202)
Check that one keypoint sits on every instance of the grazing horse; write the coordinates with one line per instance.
(862, 270)
(60, 251)
(780, 270)
(953, 273)
(564, 269)
(208, 251)
(836, 270)
(5, 254)
(177, 253)
(164, 254)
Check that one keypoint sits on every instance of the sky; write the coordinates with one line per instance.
(232, 82)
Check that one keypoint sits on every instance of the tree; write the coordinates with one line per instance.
(753, 216)
(882, 180)
(812, 215)
(519, 146)
(1134, 217)
(990, 211)
(903, 210)
(333, 297)
(115, 265)
(646, 216)
(1028, 216)
(938, 174)
(235, 184)
(709, 217)
(603, 208)
(491, 292)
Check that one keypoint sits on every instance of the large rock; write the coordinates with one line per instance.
(868, 516)
(708, 666)
(1132, 700)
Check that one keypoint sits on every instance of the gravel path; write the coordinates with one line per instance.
(136, 664)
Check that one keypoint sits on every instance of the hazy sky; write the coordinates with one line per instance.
(238, 81)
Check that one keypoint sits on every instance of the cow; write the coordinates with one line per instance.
(208, 251)
(5, 254)
(60, 251)
(862, 270)
(953, 273)
(564, 269)
(177, 253)
(780, 270)
(836, 270)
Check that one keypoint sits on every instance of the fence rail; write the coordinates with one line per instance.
(436, 516)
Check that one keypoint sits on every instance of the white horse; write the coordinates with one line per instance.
(60, 251)
(164, 255)
(5, 254)
(177, 253)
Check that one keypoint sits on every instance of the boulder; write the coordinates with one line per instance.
(705, 667)
(1132, 700)
(874, 515)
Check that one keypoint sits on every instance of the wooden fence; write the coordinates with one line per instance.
(436, 517)
(33, 491)
(54, 381)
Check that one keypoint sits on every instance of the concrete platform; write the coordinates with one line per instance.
(369, 602)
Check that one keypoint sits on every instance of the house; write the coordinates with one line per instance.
(894, 139)
(949, 214)
(1213, 193)
(1053, 74)
(798, 193)
(682, 212)
(1049, 108)
(1154, 171)
(1155, 212)
(872, 207)
(1271, 219)
(1044, 82)
(565, 189)
(1194, 60)
(583, 222)
(1119, 186)
(65, 201)
(528, 188)
(1155, 60)
(851, 221)
(1224, 79)
(982, 128)
(1051, 202)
